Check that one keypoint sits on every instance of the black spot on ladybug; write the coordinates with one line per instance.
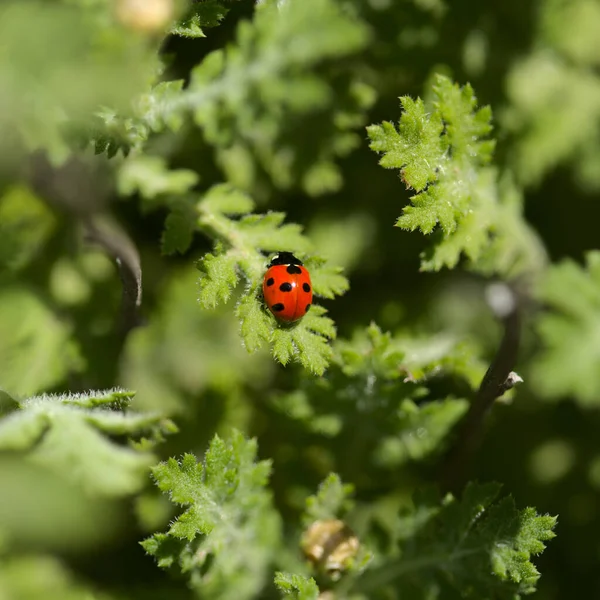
(294, 270)
(306, 287)
(278, 307)
(307, 307)
(286, 287)
(270, 281)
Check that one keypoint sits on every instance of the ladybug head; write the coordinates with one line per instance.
(284, 258)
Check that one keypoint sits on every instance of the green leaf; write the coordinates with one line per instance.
(241, 251)
(226, 505)
(442, 153)
(69, 434)
(218, 278)
(416, 148)
(184, 352)
(25, 225)
(150, 177)
(374, 397)
(422, 431)
(331, 501)
(296, 586)
(31, 577)
(553, 96)
(179, 230)
(567, 364)
(37, 352)
(306, 341)
(208, 13)
(253, 98)
(480, 546)
(255, 325)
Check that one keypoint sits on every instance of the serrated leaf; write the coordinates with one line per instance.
(442, 154)
(178, 233)
(296, 586)
(567, 364)
(150, 177)
(255, 325)
(68, 434)
(37, 352)
(226, 199)
(226, 505)
(25, 225)
(241, 250)
(208, 13)
(253, 106)
(332, 500)
(477, 545)
(327, 280)
(416, 147)
(422, 431)
(306, 341)
(218, 278)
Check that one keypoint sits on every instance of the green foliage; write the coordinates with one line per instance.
(189, 353)
(240, 250)
(213, 142)
(251, 98)
(85, 70)
(554, 95)
(376, 396)
(481, 545)
(37, 352)
(25, 225)
(568, 364)
(68, 434)
(52, 581)
(330, 501)
(201, 15)
(442, 152)
(150, 177)
(296, 586)
(227, 507)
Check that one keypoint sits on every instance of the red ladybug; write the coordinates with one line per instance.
(287, 288)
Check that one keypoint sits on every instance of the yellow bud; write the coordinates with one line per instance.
(145, 16)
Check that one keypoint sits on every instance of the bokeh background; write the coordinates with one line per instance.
(535, 62)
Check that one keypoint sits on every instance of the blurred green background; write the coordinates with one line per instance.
(535, 63)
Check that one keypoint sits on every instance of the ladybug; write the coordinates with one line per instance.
(286, 288)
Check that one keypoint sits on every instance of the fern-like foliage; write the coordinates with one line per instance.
(554, 91)
(241, 251)
(332, 500)
(200, 16)
(70, 434)
(227, 506)
(243, 242)
(252, 99)
(296, 587)
(480, 546)
(443, 153)
(567, 365)
(376, 399)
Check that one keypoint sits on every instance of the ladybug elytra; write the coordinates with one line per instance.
(287, 288)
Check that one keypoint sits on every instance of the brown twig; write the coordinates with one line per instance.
(117, 244)
(80, 189)
(498, 379)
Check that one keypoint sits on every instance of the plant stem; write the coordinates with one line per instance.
(497, 380)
